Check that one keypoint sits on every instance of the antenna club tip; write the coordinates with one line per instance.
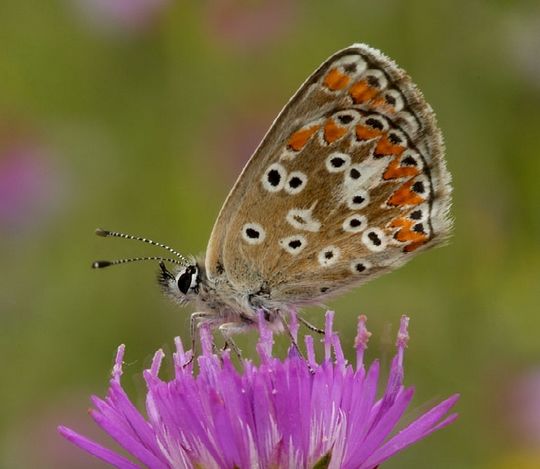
(100, 264)
(101, 232)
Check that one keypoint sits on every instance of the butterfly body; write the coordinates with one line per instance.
(350, 182)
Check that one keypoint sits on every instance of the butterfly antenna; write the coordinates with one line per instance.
(103, 264)
(115, 234)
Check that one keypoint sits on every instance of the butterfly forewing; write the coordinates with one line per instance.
(349, 182)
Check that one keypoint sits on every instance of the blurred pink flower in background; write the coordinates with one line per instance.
(248, 25)
(523, 405)
(523, 43)
(30, 187)
(31, 444)
(236, 139)
(121, 15)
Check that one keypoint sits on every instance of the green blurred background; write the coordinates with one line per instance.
(138, 115)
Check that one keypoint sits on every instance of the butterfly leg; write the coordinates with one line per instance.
(227, 330)
(310, 326)
(293, 340)
(194, 321)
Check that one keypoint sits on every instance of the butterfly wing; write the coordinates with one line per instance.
(349, 182)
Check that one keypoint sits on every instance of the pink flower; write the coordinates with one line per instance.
(122, 15)
(280, 413)
(248, 26)
(30, 185)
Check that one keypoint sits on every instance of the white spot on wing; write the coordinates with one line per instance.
(393, 98)
(293, 244)
(374, 239)
(360, 266)
(355, 223)
(399, 135)
(354, 175)
(375, 121)
(274, 177)
(288, 155)
(302, 219)
(356, 60)
(337, 162)
(253, 233)
(296, 181)
(358, 199)
(371, 172)
(346, 118)
(381, 78)
(411, 158)
(419, 213)
(406, 120)
(328, 256)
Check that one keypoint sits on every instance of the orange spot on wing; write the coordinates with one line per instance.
(404, 195)
(367, 133)
(411, 247)
(332, 131)
(405, 232)
(381, 105)
(386, 147)
(379, 102)
(395, 171)
(335, 80)
(298, 140)
(362, 92)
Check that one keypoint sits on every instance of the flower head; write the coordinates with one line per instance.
(280, 413)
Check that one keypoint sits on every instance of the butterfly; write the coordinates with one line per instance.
(350, 182)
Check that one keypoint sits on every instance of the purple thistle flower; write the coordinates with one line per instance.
(278, 414)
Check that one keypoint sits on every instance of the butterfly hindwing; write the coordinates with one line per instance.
(349, 183)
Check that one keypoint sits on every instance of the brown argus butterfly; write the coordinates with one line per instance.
(350, 182)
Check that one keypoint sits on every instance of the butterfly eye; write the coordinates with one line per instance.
(187, 279)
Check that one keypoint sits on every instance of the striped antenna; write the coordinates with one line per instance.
(103, 264)
(115, 234)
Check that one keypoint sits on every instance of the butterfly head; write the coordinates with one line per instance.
(182, 285)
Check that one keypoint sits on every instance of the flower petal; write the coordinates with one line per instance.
(96, 449)
(420, 428)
